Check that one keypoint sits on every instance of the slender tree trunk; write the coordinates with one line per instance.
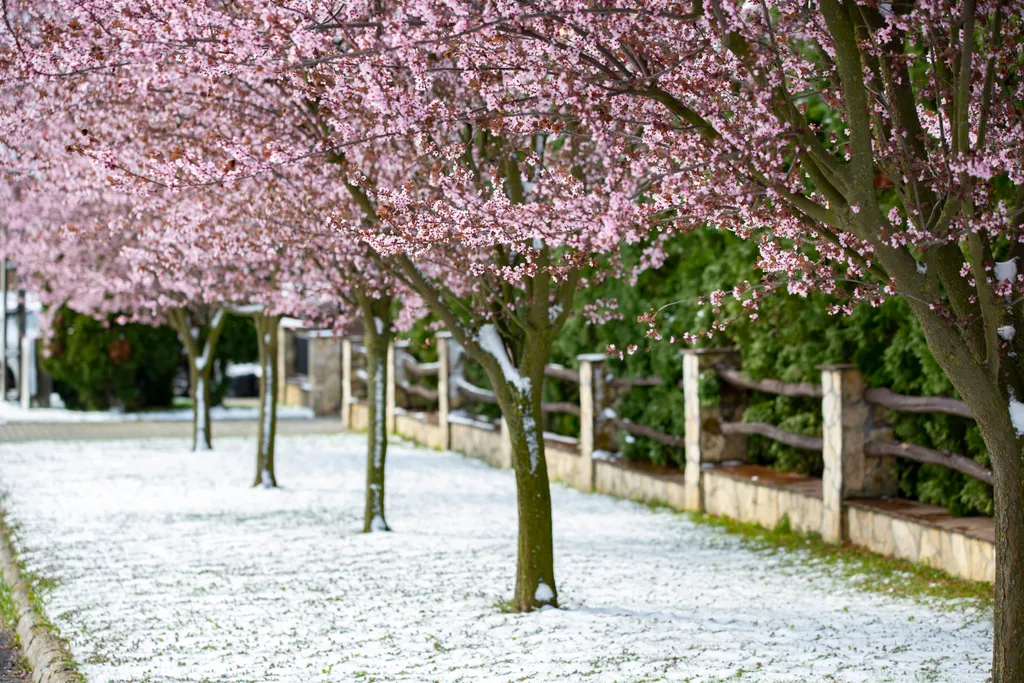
(520, 391)
(266, 337)
(377, 337)
(199, 389)
(200, 368)
(1006, 451)
(989, 399)
(535, 567)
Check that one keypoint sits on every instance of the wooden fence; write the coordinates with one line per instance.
(854, 500)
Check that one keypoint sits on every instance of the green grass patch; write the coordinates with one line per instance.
(8, 610)
(506, 606)
(37, 587)
(865, 569)
(9, 619)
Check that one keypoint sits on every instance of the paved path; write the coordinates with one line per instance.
(78, 431)
(11, 670)
(170, 567)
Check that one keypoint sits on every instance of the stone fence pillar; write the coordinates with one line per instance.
(346, 383)
(389, 390)
(325, 374)
(847, 424)
(285, 360)
(704, 442)
(443, 340)
(27, 376)
(590, 406)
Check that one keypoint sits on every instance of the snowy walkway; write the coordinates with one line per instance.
(172, 569)
(162, 429)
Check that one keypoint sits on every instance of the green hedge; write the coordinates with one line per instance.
(237, 344)
(98, 366)
(792, 336)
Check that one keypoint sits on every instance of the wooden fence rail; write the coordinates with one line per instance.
(930, 456)
(917, 404)
(417, 369)
(855, 438)
(636, 382)
(563, 374)
(769, 386)
(648, 432)
(802, 441)
(423, 392)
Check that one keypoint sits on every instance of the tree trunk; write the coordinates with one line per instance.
(1006, 451)
(200, 368)
(199, 389)
(1008, 656)
(377, 338)
(989, 400)
(519, 392)
(266, 339)
(535, 567)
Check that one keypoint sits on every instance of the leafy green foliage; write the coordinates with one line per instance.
(99, 365)
(792, 337)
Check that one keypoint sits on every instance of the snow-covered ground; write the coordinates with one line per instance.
(171, 568)
(11, 411)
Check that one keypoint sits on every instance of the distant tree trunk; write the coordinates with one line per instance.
(199, 391)
(377, 325)
(267, 327)
(200, 352)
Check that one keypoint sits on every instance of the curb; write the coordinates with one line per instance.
(41, 648)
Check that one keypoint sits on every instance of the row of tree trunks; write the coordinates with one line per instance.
(200, 342)
(535, 580)
(199, 331)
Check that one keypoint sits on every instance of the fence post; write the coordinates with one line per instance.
(590, 377)
(325, 394)
(847, 423)
(442, 387)
(346, 382)
(285, 360)
(704, 442)
(25, 381)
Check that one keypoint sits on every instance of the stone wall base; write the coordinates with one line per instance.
(746, 493)
(961, 547)
(757, 495)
